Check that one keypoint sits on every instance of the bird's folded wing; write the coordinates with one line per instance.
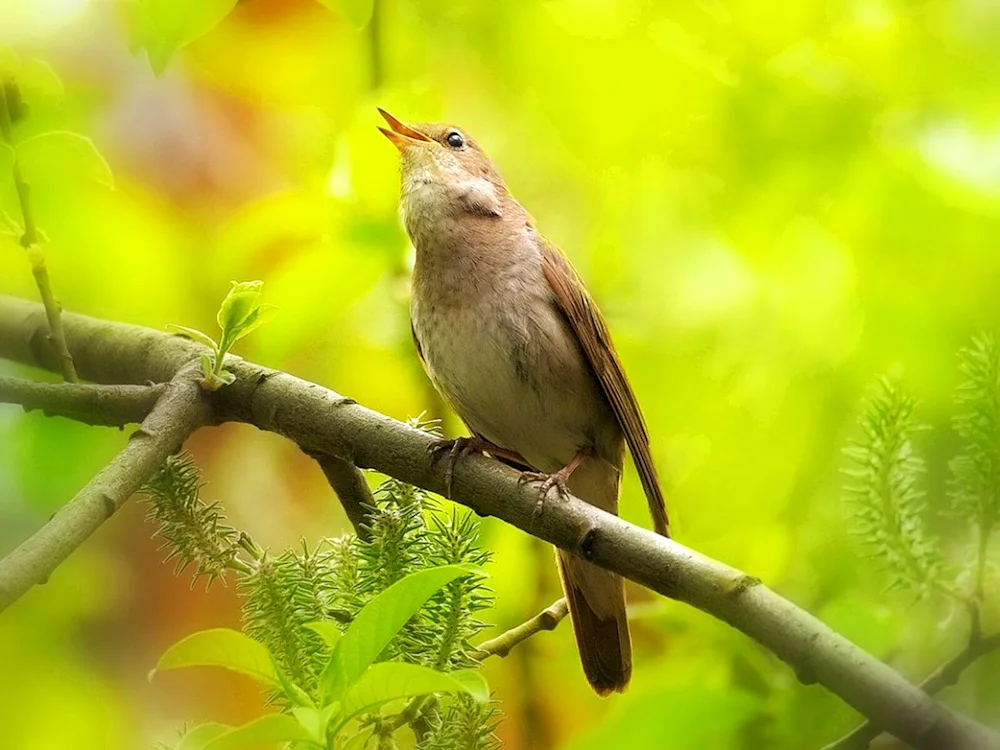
(588, 324)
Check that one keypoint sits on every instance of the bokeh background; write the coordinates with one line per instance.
(772, 203)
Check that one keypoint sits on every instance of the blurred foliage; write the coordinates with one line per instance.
(770, 203)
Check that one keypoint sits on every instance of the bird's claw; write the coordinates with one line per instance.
(456, 449)
(558, 480)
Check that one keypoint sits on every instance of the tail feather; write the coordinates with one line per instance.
(603, 641)
(596, 597)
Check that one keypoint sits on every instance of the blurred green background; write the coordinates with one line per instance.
(771, 203)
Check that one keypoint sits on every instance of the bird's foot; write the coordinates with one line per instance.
(558, 480)
(464, 446)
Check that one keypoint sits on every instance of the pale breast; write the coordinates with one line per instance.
(503, 356)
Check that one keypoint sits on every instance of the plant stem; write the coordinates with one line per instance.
(29, 241)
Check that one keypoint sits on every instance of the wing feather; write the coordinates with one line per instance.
(591, 330)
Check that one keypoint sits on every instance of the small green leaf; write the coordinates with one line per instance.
(240, 302)
(327, 630)
(221, 647)
(199, 736)
(164, 26)
(266, 730)
(47, 157)
(293, 692)
(260, 315)
(357, 12)
(391, 680)
(206, 366)
(474, 682)
(310, 719)
(194, 334)
(377, 624)
(226, 377)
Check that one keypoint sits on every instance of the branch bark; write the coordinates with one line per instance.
(180, 411)
(504, 643)
(99, 405)
(348, 481)
(320, 420)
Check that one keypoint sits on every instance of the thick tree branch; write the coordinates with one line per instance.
(323, 421)
(180, 410)
(101, 405)
(547, 619)
(944, 676)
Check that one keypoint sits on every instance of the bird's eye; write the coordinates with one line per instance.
(455, 139)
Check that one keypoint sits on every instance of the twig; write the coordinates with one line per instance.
(180, 410)
(944, 676)
(103, 405)
(29, 241)
(547, 619)
(321, 420)
(348, 481)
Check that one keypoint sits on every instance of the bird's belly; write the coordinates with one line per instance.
(519, 381)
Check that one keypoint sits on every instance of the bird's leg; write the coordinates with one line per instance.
(463, 446)
(558, 479)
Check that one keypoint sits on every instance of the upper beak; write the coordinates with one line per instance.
(401, 135)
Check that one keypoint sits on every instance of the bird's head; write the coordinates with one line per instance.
(442, 167)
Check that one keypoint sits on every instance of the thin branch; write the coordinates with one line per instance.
(547, 619)
(348, 481)
(180, 411)
(30, 239)
(944, 676)
(99, 405)
(321, 420)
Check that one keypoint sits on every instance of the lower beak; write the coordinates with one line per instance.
(402, 135)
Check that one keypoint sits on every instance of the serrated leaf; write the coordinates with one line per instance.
(194, 334)
(221, 647)
(390, 680)
(51, 157)
(377, 624)
(357, 12)
(164, 26)
(266, 730)
(199, 736)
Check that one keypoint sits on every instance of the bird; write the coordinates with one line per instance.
(508, 334)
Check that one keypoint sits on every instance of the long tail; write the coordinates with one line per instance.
(596, 597)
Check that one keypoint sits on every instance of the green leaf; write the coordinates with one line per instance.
(266, 730)
(194, 334)
(221, 647)
(164, 26)
(48, 157)
(377, 624)
(357, 12)
(260, 315)
(206, 365)
(312, 720)
(199, 736)
(327, 630)
(391, 680)
(240, 302)
(474, 682)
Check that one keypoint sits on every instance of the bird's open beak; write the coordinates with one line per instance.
(402, 135)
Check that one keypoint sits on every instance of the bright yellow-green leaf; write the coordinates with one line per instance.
(194, 334)
(390, 680)
(37, 79)
(238, 304)
(164, 26)
(266, 730)
(327, 630)
(360, 740)
(257, 317)
(377, 624)
(221, 647)
(50, 158)
(357, 12)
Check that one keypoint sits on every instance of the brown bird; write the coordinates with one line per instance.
(510, 337)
